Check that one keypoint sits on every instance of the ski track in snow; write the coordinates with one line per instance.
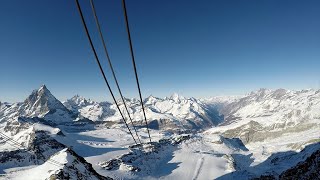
(198, 168)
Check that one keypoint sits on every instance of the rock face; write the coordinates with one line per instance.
(75, 167)
(41, 102)
(141, 158)
(308, 169)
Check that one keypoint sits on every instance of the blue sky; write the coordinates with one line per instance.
(196, 48)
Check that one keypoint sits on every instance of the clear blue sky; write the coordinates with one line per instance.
(196, 48)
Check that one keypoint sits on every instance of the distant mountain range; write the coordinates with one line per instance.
(263, 109)
(268, 108)
(252, 121)
(175, 112)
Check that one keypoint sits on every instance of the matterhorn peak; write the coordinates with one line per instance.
(42, 91)
(40, 102)
(43, 86)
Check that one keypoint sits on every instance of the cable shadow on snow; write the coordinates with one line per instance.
(87, 146)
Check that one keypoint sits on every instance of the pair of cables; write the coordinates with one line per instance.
(112, 69)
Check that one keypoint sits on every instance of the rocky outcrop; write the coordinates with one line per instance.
(76, 168)
(308, 169)
(43, 152)
(140, 156)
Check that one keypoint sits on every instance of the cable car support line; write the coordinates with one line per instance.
(100, 67)
(134, 63)
(110, 65)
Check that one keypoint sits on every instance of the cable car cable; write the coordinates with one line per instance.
(100, 67)
(134, 63)
(110, 65)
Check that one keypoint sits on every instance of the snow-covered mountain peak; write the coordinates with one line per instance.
(280, 106)
(151, 100)
(80, 100)
(43, 87)
(260, 92)
(176, 97)
(263, 94)
(77, 102)
(40, 102)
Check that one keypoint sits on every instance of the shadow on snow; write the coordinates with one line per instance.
(273, 165)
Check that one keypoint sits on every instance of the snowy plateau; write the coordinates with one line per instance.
(266, 134)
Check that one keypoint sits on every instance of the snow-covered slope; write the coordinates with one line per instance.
(92, 110)
(219, 102)
(77, 102)
(40, 156)
(269, 114)
(68, 165)
(276, 106)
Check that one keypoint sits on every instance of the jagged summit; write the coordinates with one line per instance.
(80, 100)
(265, 91)
(176, 97)
(167, 113)
(77, 102)
(151, 99)
(40, 102)
(43, 86)
(261, 92)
